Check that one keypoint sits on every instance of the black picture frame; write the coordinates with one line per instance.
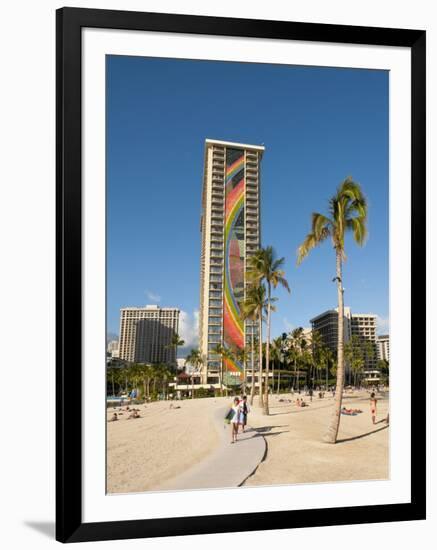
(69, 24)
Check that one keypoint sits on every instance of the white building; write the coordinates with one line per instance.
(146, 334)
(383, 345)
(112, 348)
(363, 325)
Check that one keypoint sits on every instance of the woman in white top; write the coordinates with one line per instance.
(235, 420)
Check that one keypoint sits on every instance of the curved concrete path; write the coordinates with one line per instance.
(228, 466)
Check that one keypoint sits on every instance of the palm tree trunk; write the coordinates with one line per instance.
(279, 381)
(331, 434)
(221, 377)
(266, 397)
(260, 382)
(252, 359)
(273, 375)
(244, 375)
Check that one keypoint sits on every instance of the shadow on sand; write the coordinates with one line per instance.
(362, 435)
(265, 429)
(271, 433)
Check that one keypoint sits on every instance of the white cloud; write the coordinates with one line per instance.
(383, 324)
(152, 296)
(189, 328)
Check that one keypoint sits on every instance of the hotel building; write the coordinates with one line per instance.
(230, 234)
(146, 334)
(362, 325)
(383, 343)
(326, 324)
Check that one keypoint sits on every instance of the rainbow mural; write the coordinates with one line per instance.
(233, 325)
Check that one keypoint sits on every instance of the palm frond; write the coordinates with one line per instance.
(358, 228)
(319, 223)
(304, 249)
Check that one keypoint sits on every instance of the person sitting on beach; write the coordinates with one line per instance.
(303, 404)
(114, 418)
(134, 414)
(298, 402)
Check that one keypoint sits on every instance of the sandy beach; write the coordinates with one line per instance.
(164, 442)
(296, 453)
(144, 452)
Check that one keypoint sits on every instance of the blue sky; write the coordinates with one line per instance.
(318, 125)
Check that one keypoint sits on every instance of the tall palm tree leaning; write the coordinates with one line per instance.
(253, 308)
(347, 212)
(264, 266)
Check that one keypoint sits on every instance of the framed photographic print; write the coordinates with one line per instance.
(240, 258)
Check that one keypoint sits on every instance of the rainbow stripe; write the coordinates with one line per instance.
(233, 325)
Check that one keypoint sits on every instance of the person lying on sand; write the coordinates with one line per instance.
(351, 412)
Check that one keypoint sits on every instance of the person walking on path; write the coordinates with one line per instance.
(234, 416)
(373, 407)
(245, 410)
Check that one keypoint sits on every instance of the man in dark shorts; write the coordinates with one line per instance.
(245, 411)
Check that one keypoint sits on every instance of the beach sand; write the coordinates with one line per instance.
(296, 453)
(144, 452)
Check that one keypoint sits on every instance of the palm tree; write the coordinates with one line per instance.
(276, 355)
(195, 359)
(347, 212)
(319, 353)
(176, 341)
(253, 308)
(145, 374)
(264, 266)
(242, 354)
(111, 373)
(297, 348)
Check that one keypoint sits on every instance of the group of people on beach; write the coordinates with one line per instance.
(237, 416)
(133, 413)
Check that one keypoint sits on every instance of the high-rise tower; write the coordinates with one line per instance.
(230, 227)
(146, 334)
